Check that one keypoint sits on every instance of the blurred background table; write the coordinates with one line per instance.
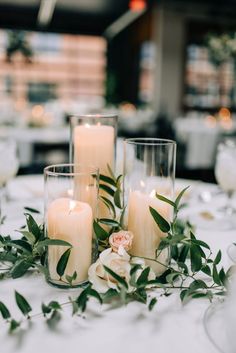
(41, 145)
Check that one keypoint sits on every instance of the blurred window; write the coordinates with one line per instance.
(38, 67)
(207, 85)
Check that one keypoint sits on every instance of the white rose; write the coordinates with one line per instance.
(118, 263)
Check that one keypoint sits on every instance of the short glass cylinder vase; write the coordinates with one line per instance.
(149, 169)
(71, 195)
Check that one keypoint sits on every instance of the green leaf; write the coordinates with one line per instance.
(75, 306)
(122, 216)
(28, 235)
(110, 294)
(32, 210)
(119, 279)
(33, 226)
(52, 242)
(62, 263)
(119, 180)
(20, 268)
(109, 204)
(197, 284)
(218, 257)
(197, 295)
(2, 219)
(216, 276)
(5, 256)
(107, 179)
(174, 252)
(82, 300)
(54, 305)
(140, 295)
(195, 258)
(143, 278)
(183, 253)
(221, 293)
(22, 245)
(206, 269)
(223, 277)
(184, 294)
(4, 311)
(101, 234)
(201, 243)
(170, 278)
(22, 304)
(160, 221)
(14, 325)
(117, 198)
(54, 319)
(45, 309)
(107, 189)
(135, 268)
(72, 278)
(183, 266)
(164, 199)
(179, 197)
(95, 294)
(109, 222)
(203, 255)
(152, 304)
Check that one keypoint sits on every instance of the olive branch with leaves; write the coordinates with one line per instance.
(193, 271)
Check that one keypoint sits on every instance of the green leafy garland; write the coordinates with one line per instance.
(191, 260)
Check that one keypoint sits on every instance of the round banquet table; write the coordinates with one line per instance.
(170, 327)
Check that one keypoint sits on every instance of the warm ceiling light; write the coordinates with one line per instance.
(46, 11)
(137, 5)
(224, 114)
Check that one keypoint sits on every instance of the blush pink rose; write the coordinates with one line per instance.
(122, 239)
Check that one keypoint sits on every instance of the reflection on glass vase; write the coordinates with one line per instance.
(71, 194)
(149, 169)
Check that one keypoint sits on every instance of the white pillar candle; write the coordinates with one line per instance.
(94, 146)
(147, 235)
(71, 221)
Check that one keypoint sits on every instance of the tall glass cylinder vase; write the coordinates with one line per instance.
(93, 142)
(71, 194)
(149, 169)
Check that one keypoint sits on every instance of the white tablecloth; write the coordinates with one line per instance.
(171, 327)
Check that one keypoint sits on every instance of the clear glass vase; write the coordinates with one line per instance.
(71, 194)
(149, 169)
(93, 142)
